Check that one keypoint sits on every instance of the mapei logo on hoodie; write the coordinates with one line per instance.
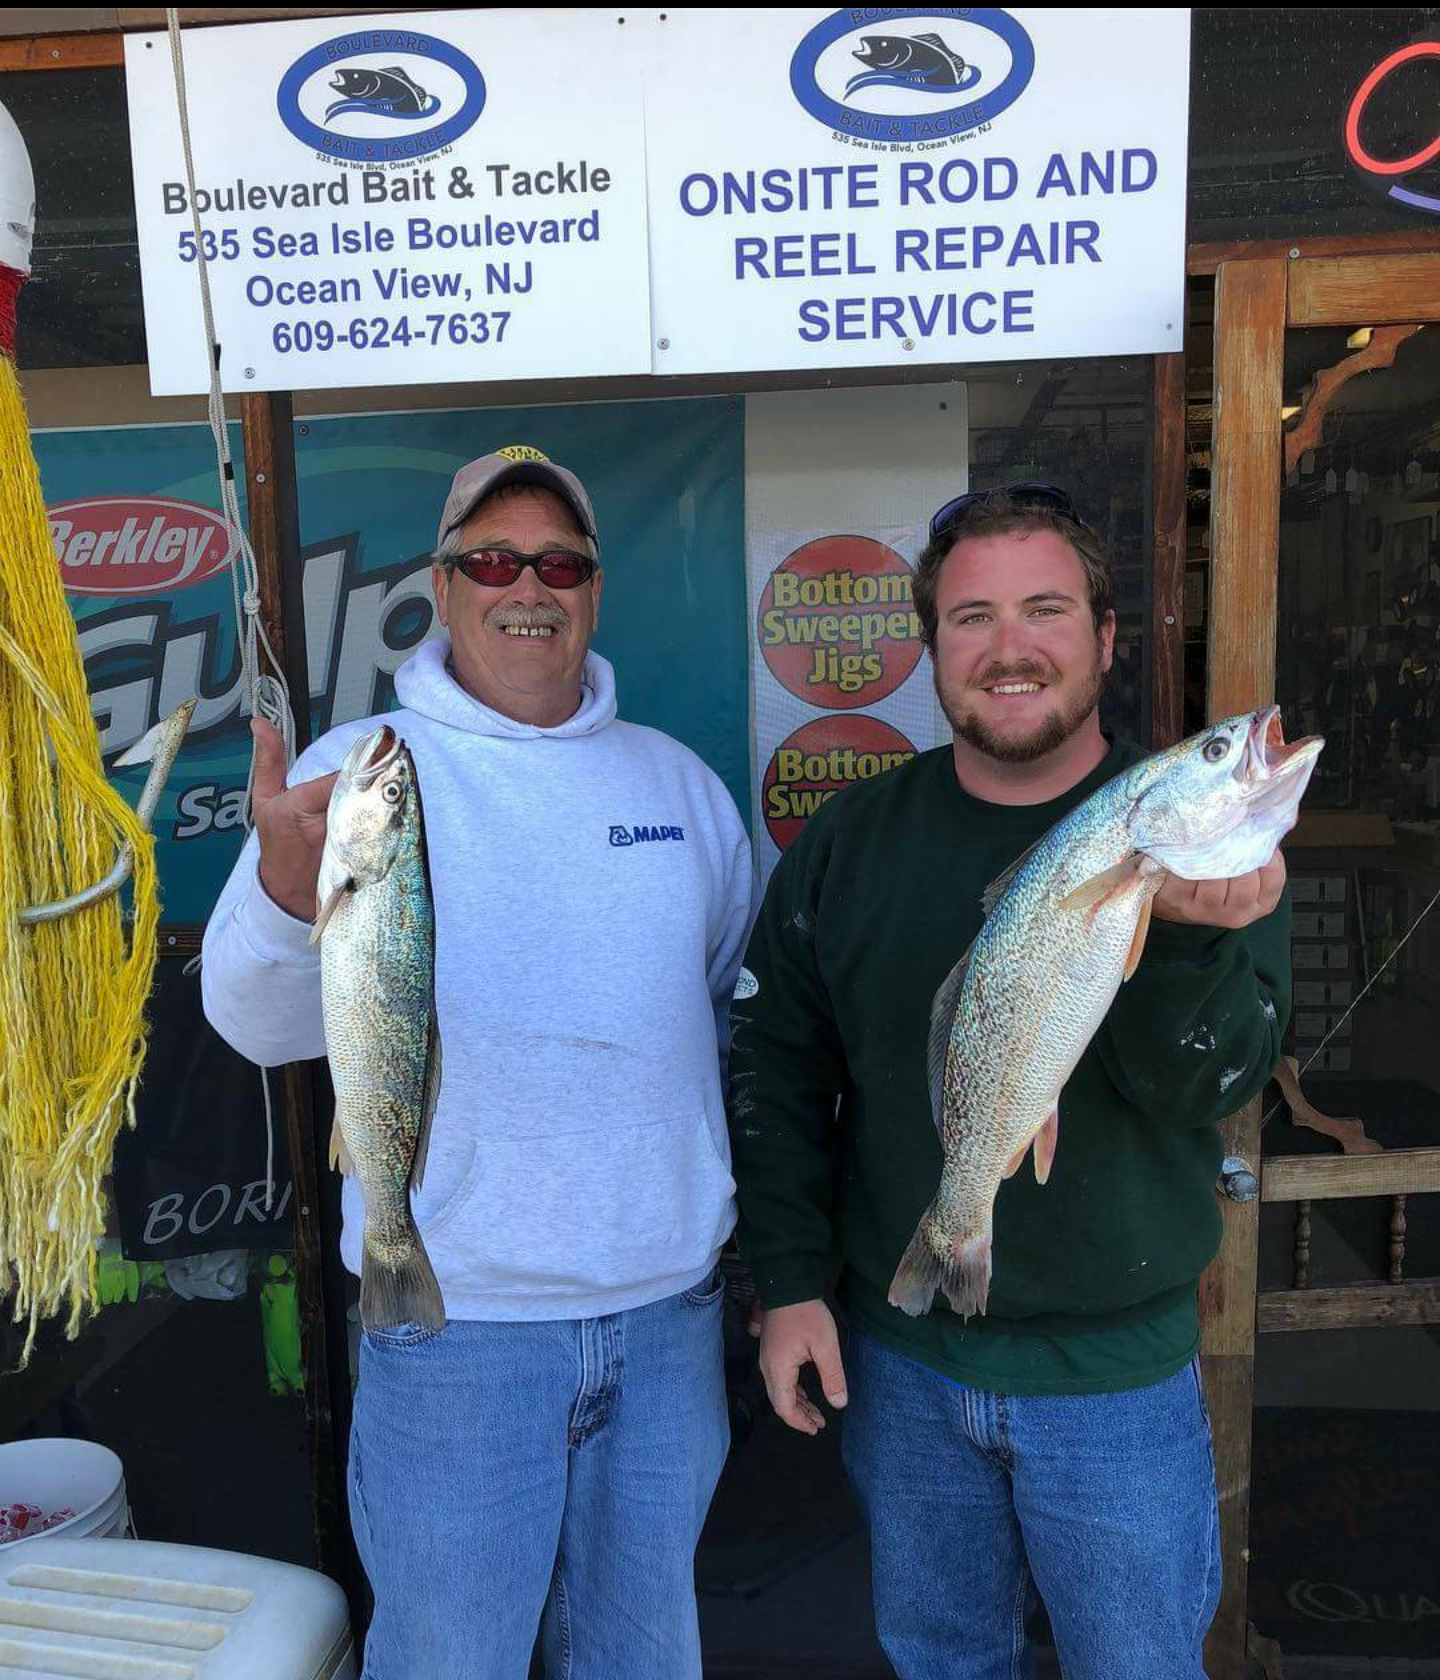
(381, 96)
(641, 834)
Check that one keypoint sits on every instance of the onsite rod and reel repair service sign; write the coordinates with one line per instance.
(868, 187)
(394, 200)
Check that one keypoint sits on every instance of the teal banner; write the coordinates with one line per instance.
(143, 558)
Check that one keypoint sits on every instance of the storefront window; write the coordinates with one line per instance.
(1342, 1413)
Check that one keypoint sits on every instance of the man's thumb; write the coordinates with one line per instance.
(831, 1371)
(269, 778)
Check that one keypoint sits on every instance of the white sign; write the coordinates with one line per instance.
(394, 200)
(870, 187)
(841, 688)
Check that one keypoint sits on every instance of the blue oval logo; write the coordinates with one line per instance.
(363, 97)
(878, 76)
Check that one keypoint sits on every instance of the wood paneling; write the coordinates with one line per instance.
(61, 52)
(1360, 1306)
(1245, 484)
(1366, 292)
(1318, 1178)
(1207, 258)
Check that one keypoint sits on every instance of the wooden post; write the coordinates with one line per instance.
(1244, 566)
(269, 469)
(1227, 1361)
(1245, 484)
(1166, 640)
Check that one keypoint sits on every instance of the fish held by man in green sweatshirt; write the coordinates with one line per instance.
(1065, 927)
(376, 927)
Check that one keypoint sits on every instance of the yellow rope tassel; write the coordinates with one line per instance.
(72, 991)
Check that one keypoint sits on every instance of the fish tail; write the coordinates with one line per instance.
(963, 1272)
(403, 1292)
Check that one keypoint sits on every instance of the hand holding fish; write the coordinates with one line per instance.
(1064, 929)
(291, 824)
(1232, 903)
(791, 1338)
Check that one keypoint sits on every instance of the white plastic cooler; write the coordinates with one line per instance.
(142, 1610)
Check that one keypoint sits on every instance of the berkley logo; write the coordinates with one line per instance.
(622, 836)
(136, 545)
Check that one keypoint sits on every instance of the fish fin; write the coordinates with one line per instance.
(942, 1018)
(143, 750)
(1012, 1166)
(965, 1277)
(997, 888)
(325, 911)
(1045, 1146)
(433, 1060)
(933, 40)
(1093, 892)
(339, 1154)
(400, 1294)
(1137, 944)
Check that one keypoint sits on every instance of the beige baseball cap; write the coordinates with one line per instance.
(516, 464)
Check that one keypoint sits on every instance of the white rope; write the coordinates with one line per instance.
(266, 691)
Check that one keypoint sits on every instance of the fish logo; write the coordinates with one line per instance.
(950, 75)
(379, 96)
(383, 93)
(922, 62)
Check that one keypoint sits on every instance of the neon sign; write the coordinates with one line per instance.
(1380, 169)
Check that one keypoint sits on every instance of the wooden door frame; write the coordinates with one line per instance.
(1259, 294)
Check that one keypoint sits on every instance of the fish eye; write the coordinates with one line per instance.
(392, 793)
(1216, 748)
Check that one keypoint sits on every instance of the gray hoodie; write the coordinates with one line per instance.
(592, 896)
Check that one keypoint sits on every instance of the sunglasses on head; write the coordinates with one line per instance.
(1029, 494)
(497, 568)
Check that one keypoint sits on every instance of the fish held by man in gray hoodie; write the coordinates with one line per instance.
(1064, 928)
(376, 927)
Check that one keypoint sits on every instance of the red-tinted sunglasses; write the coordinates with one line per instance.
(497, 568)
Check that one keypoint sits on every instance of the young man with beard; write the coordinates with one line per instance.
(544, 1460)
(1061, 1441)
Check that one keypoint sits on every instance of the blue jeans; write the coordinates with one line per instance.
(1106, 1502)
(506, 1478)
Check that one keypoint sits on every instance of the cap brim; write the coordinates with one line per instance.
(539, 473)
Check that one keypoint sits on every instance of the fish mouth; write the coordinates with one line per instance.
(1269, 755)
(370, 757)
(1270, 765)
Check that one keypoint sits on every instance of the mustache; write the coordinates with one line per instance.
(543, 615)
(1028, 670)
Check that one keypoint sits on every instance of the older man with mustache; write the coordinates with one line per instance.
(545, 1460)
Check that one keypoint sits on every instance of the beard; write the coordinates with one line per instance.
(1046, 737)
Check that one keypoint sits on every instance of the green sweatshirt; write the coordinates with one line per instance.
(1094, 1284)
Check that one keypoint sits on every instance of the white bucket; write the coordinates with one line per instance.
(54, 1474)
